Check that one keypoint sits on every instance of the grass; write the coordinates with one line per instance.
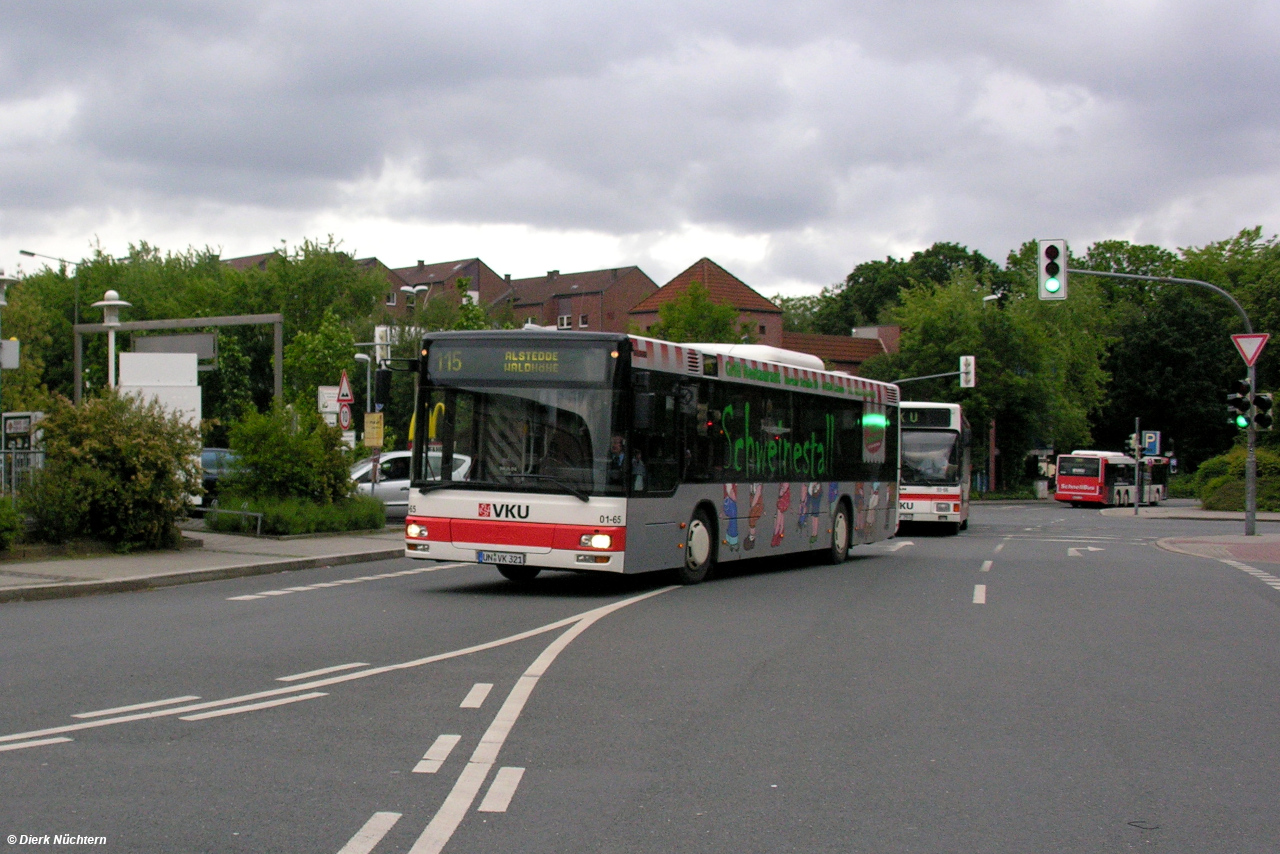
(293, 516)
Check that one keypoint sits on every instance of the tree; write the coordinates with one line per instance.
(692, 316)
(799, 314)
(318, 358)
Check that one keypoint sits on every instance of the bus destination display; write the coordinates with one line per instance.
(925, 417)
(563, 364)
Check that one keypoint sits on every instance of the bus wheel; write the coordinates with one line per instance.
(699, 550)
(950, 528)
(964, 526)
(519, 574)
(839, 535)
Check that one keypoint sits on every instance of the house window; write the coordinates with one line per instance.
(582, 320)
(391, 298)
(762, 332)
(564, 321)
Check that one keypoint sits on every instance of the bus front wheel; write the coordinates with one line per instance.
(839, 535)
(519, 574)
(699, 550)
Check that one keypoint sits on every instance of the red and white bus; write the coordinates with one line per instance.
(617, 453)
(933, 486)
(1108, 478)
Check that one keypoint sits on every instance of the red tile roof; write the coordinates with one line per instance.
(538, 289)
(833, 349)
(723, 287)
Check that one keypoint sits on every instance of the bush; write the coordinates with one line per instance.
(294, 516)
(10, 523)
(1226, 493)
(117, 469)
(1182, 486)
(286, 454)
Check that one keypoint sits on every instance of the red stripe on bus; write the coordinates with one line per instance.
(531, 534)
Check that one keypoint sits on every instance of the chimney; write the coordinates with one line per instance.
(615, 274)
(421, 263)
(551, 275)
(507, 278)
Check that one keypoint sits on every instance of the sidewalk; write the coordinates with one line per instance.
(220, 556)
(1261, 548)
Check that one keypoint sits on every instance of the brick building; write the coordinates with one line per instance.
(596, 300)
(762, 317)
(433, 281)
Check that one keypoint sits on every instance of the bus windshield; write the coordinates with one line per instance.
(528, 438)
(930, 457)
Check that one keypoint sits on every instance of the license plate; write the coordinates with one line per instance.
(515, 558)
(904, 517)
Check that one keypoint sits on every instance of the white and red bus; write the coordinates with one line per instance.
(1108, 478)
(617, 453)
(933, 486)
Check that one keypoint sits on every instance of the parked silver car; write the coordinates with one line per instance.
(392, 487)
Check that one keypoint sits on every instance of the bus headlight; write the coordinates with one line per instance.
(595, 541)
(415, 531)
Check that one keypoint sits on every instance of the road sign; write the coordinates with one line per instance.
(1250, 346)
(1151, 443)
(373, 429)
(344, 390)
(344, 416)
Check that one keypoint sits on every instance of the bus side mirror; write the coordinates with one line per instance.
(382, 387)
(642, 411)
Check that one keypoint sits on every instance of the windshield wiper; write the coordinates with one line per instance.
(566, 486)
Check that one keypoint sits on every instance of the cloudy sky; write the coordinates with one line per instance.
(788, 141)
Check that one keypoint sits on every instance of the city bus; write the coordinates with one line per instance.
(934, 484)
(1108, 478)
(624, 454)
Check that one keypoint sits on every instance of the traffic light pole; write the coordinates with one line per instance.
(1251, 435)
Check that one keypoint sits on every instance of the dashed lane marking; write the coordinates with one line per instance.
(1265, 577)
(501, 790)
(979, 594)
(986, 566)
(136, 707)
(475, 697)
(437, 754)
(368, 837)
(253, 707)
(321, 672)
(285, 591)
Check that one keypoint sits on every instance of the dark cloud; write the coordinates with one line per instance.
(838, 131)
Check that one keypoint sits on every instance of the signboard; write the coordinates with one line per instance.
(344, 390)
(533, 361)
(1250, 346)
(203, 344)
(21, 430)
(327, 399)
(9, 355)
(1151, 443)
(344, 416)
(373, 429)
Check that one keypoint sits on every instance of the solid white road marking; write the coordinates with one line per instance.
(323, 584)
(979, 594)
(591, 616)
(39, 743)
(136, 706)
(475, 697)
(253, 707)
(986, 566)
(367, 837)
(463, 795)
(321, 672)
(503, 787)
(437, 754)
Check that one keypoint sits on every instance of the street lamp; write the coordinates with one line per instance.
(368, 378)
(64, 262)
(415, 291)
(5, 282)
(111, 305)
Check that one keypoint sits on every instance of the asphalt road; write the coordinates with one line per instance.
(1047, 681)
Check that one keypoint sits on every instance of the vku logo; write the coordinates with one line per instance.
(505, 511)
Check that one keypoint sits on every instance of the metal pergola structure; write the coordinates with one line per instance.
(275, 320)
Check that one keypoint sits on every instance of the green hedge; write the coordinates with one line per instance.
(285, 516)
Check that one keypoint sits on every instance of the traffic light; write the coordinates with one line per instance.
(1051, 268)
(1262, 411)
(1238, 404)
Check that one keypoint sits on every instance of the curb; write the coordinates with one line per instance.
(72, 589)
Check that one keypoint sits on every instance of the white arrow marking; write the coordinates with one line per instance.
(1076, 552)
(902, 544)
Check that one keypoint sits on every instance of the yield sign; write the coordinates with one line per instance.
(1250, 346)
(344, 390)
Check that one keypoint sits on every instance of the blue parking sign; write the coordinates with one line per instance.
(1151, 443)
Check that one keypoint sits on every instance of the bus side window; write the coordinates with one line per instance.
(655, 442)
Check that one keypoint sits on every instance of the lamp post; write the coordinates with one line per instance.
(111, 305)
(415, 291)
(5, 282)
(368, 380)
(64, 262)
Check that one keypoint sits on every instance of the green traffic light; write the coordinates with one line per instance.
(1242, 421)
(1052, 285)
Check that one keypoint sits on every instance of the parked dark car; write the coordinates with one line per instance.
(217, 464)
